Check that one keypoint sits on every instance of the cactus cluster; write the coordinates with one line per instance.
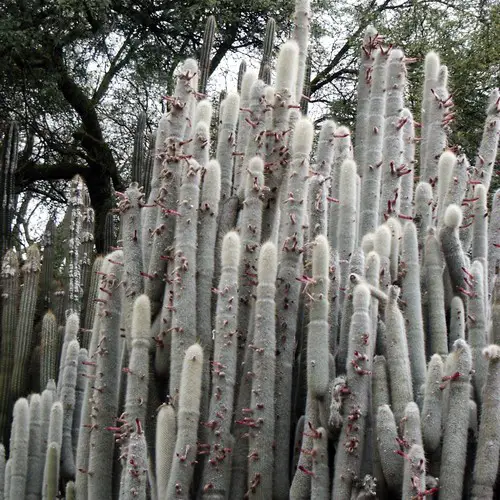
(277, 321)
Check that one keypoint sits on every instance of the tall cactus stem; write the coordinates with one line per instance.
(456, 424)
(181, 473)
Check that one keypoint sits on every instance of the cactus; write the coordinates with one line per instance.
(161, 229)
(129, 207)
(184, 273)
(454, 445)
(136, 397)
(392, 463)
(432, 406)
(24, 330)
(487, 153)
(398, 362)
(82, 456)
(276, 154)
(47, 399)
(145, 180)
(317, 338)
(435, 109)
(73, 295)
(408, 160)
(182, 468)
(134, 486)
(70, 334)
(105, 392)
(446, 166)
(423, 211)
(19, 448)
(247, 81)
(91, 302)
(393, 136)
(288, 289)
(369, 215)
(412, 312)
(301, 28)
(323, 300)
(342, 150)
(86, 255)
(165, 445)
(370, 42)
(380, 396)
(477, 331)
(452, 248)
(267, 48)
(352, 437)
(262, 424)
(431, 70)
(46, 281)
(6, 485)
(223, 371)
(51, 474)
(81, 384)
(225, 148)
(8, 167)
(433, 276)
(486, 466)
(201, 136)
(320, 483)
(356, 268)
(208, 40)
(414, 473)
(10, 292)
(2, 471)
(109, 233)
(68, 398)
(346, 229)
(138, 155)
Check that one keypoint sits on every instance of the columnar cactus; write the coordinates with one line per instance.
(130, 210)
(276, 151)
(208, 40)
(165, 446)
(35, 458)
(412, 310)
(261, 424)
(372, 172)
(432, 405)
(279, 281)
(392, 168)
(184, 272)
(188, 413)
(486, 466)
(8, 167)
(302, 23)
(24, 330)
(104, 406)
(138, 154)
(68, 398)
(370, 42)
(223, 372)
(159, 226)
(288, 290)
(454, 445)
(398, 362)
(359, 368)
(19, 449)
(10, 292)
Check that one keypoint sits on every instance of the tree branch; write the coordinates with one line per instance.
(115, 67)
(30, 172)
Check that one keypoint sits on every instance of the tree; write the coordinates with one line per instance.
(75, 74)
